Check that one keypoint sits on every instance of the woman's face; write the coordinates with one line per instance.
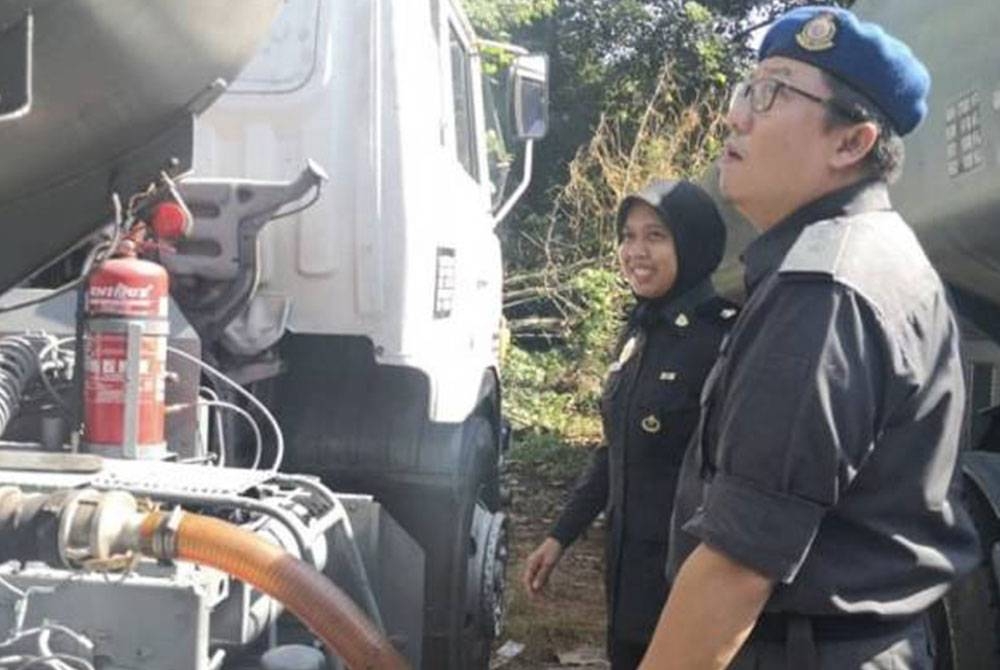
(646, 252)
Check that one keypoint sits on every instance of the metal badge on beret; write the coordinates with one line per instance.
(818, 33)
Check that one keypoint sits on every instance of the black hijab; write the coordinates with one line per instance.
(699, 233)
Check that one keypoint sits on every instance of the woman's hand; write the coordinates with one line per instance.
(539, 566)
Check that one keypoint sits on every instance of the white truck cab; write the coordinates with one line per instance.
(378, 306)
(400, 247)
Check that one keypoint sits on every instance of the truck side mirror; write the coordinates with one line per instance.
(530, 92)
(15, 69)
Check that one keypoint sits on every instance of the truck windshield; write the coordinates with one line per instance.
(287, 60)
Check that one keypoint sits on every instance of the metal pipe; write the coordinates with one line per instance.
(529, 150)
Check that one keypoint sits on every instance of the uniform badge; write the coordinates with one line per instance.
(668, 376)
(818, 33)
(682, 321)
(651, 424)
(626, 353)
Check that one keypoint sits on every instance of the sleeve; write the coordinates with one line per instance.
(588, 498)
(797, 420)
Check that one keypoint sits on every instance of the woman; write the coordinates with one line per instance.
(671, 239)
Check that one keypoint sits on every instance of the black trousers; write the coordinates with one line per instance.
(625, 655)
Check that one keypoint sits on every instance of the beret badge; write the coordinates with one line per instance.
(818, 33)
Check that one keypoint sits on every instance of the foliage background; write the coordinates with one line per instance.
(636, 93)
(637, 87)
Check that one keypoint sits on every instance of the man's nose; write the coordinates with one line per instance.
(739, 117)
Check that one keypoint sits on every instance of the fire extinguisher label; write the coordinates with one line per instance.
(106, 381)
(124, 300)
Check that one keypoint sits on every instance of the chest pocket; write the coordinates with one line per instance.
(665, 413)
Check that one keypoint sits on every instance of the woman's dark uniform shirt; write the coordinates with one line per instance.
(826, 454)
(649, 409)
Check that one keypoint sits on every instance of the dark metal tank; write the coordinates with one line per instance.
(950, 189)
(113, 86)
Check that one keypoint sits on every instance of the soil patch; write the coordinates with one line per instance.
(571, 614)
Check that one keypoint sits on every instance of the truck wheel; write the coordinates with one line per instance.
(487, 550)
(486, 582)
(965, 622)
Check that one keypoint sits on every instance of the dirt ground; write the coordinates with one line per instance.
(568, 621)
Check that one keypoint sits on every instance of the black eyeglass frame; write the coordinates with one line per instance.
(747, 88)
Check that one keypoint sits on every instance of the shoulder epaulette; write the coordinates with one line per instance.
(818, 249)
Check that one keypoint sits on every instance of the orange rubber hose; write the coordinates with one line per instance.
(328, 612)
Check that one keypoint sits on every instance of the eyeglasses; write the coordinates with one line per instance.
(762, 93)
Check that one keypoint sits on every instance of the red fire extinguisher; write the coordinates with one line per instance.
(125, 362)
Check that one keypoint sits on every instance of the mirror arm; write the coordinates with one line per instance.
(508, 204)
(503, 46)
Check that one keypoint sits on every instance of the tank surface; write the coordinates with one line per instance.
(113, 89)
(949, 191)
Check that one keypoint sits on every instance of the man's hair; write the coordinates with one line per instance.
(885, 159)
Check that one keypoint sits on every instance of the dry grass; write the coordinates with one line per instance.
(672, 140)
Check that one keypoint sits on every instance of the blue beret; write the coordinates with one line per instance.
(860, 54)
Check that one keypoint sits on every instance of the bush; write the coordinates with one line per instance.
(555, 394)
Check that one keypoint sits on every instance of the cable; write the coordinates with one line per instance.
(279, 438)
(53, 346)
(219, 431)
(77, 661)
(46, 656)
(13, 589)
(98, 254)
(222, 404)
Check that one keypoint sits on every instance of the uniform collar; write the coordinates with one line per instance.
(766, 253)
(671, 311)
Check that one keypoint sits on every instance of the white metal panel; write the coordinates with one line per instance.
(377, 114)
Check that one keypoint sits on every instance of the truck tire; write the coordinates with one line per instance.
(966, 622)
(485, 531)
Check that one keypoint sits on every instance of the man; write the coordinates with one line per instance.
(816, 506)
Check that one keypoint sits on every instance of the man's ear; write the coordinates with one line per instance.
(853, 145)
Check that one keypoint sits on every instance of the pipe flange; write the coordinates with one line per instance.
(74, 510)
(163, 542)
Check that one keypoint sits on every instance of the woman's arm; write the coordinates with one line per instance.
(589, 497)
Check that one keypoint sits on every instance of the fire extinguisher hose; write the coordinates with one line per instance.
(315, 600)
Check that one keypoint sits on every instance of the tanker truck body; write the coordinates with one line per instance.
(327, 228)
(950, 194)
